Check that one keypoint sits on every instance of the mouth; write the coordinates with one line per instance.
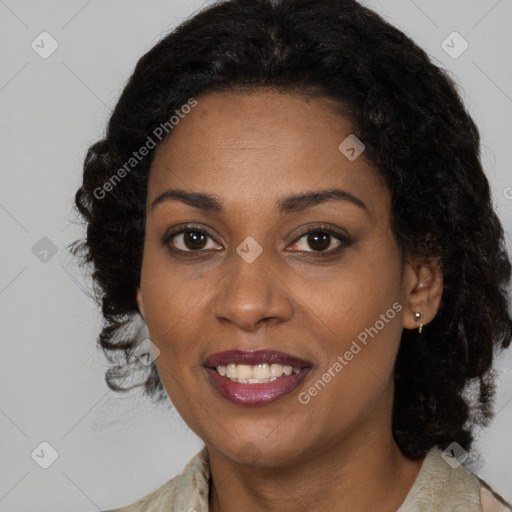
(255, 378)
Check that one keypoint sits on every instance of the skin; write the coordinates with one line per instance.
(250, 149)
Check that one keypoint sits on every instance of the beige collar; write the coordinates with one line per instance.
(437, 488)
(452, 489)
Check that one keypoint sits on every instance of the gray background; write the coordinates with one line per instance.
(113, 450)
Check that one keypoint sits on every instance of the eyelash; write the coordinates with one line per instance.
(343, 239)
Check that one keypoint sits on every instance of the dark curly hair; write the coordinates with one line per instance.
(417, 133)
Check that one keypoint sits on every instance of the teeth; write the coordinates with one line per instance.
(254, 374)
(276, 370)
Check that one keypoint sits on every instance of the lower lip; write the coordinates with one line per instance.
(256, 394)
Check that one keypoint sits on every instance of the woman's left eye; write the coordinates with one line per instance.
(321, 241)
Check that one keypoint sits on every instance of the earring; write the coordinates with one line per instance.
(417, 317)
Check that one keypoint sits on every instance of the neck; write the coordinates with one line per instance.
(365, 472)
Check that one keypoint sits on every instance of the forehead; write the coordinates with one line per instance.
(260, 145)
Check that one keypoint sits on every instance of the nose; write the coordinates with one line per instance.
(251, 294)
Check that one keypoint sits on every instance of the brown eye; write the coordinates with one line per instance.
(194, 240)
(319, 241)
(189, 240)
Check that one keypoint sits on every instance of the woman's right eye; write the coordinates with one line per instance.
(188, 240)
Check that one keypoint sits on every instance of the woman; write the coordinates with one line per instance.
(289, 193)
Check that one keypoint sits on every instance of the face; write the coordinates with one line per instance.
(245, 276)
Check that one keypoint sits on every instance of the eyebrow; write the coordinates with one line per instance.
(285, 205)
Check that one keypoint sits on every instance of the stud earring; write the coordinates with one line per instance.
(417, 317)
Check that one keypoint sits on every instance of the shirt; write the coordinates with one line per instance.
(438, 488)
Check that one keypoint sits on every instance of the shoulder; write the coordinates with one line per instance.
(158, 500)
(491, 501)
(444, 485)
(439, 487)
(187, 491)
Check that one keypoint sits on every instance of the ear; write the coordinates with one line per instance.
(139, 302)
(423, 282)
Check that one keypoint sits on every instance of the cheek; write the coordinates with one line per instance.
(360, 308)
(362, 322)
(171, 305)
(171, 311)
(354, 295)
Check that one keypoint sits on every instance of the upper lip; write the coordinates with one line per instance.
(255, 357)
